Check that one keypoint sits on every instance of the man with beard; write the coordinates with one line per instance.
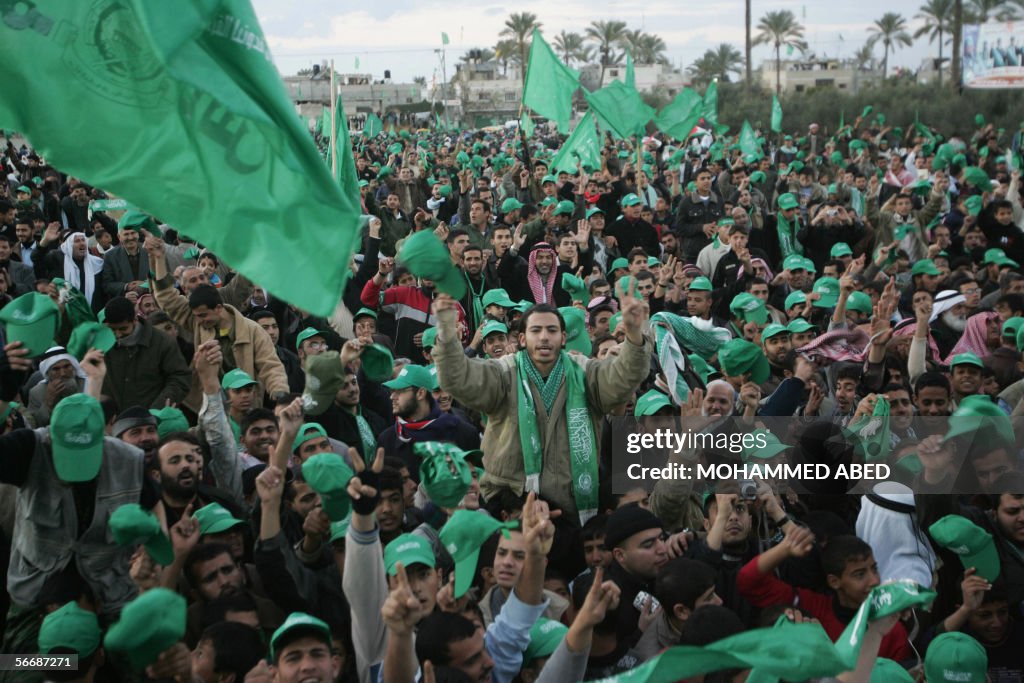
(136, 426)
(127, 265)
(777, 343)
(348, 421)
(478, 281)
(70, 259)
(75, 210)
(62, 377)
(948, 320)
(26, 245)
(541, 275)
(179, 468)
(630, 231)
(419, 418)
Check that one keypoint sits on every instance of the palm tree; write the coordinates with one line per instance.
(650, 49)
(505, 53)
(891, 31)
(420, 80)
(864, 58)
(937, 16)
(518, 28)
(606, 34)
(570, 47)
(718, 63)
(777, 29)
(478, 55)
(981, 11)
(746, 43)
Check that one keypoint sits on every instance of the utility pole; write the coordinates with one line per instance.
(334, 126)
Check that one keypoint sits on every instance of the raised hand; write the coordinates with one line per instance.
(402, 610)
(635, 313)
(362, 487)
(270, 485)
(185, 534)
(798, 541)
(538, 530)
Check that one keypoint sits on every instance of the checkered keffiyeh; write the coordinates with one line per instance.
(838, 345)
(693, 335)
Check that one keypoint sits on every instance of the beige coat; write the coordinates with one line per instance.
(490, 386)
(252, 348)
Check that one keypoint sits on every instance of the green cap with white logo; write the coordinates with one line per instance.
(76, 431)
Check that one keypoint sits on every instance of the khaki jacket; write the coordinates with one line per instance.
(252, 348)
(490, 387)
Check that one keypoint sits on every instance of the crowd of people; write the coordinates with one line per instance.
(201, 482)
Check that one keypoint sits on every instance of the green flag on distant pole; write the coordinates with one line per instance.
(373, 126)
(550, 84)
(748, 141)
(630, 72)
(621, 107)
(776, 115)
(216, 147)
(710, 109)
(444, 38)
(583, 147)
(357, 62)
(679, 116)
(345, 170)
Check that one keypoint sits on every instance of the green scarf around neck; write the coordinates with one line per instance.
(788, 243)
(582, 443)
(476, 299)
(369, 441)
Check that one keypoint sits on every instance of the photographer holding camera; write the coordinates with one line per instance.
(831, 223)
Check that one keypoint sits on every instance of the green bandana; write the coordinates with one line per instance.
(582, 444)
(787, 236)
(366, 434)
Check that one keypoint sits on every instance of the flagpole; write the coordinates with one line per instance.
(334, 127)
(444, 86)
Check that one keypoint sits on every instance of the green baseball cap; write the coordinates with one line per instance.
(545, 637)
(809, 266)
(377, 362)
(772, 330)
(24, 188)
(702, 368)
(925, 267)
(426, 257)
(339, 529)
(650, 403)
(11, 407)
(1012, 326)
(511, 204)
(795, 299)
(799, 326)
(236, 379)
(364, 312)
(575, 287)
(977, 415)
(966, 358)
(429, 338)
(859, 301)
(76, 430)
(564, 207)
(215, 519)
(595, 210)
(788, 201)
(740, 357)
(462, 536)
(131, 524)
(620, 262)
(88, 336)
(497, 297)
(613, 322)
(576, 337)
(308, 432)
(757, 177)
(772, 446)
(956, 656)
(979, 178)
(169, 420)
(32, 320)
(549, 179)
(828, 289)
(444, 472)
(653, 261)
(409, 549)
(364, 183)
(794, 262)
(549, 201)
(132, 219)
(328, 475)
(840, 249)
(70, 627)
(749, 308)
(491, 327)
(998, 257)
(973, 544)
(630, 200)
(298, 621)
(973, 205)
(149, 625)
(325, 376)
(307, 333)
(412, 376)
(701, 284)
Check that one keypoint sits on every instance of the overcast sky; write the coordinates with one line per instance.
(401, 35)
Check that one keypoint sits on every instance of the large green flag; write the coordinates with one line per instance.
(630, 72)
(621, 108)
(345, 166)
(374, 126)
(776, 115)
(680, 115)
(325, 123)
(748, 141)
(583, 147)
(187, 118)
(550, 84)
(710, 109)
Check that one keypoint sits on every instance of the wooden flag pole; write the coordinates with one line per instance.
(334, 127)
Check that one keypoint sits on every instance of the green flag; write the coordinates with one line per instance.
(710, 109)
(870, 434)
(679, 116)
(526, 123)
(884, 600)
(583, 147)
(748, 141)
(216, 147)
(325, 123)
(776, 115)
(444, 38)
(550, 84)
(357, 62)
(621, 108)
(630, 73)
(345, 167)
(373, 126)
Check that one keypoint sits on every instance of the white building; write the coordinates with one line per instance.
(800, 75)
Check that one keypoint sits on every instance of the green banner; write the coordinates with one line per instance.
(109, 205)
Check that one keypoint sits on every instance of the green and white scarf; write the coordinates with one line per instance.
(476, 300)
(788, 243)
(366, 436)
(582, 444)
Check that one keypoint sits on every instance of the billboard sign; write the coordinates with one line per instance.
(993, 55)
